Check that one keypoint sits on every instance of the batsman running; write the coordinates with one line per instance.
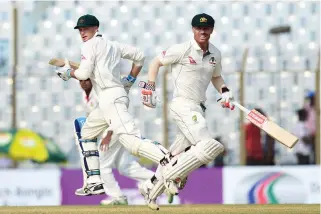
(111, 155)
(99, 59)
(194, 64)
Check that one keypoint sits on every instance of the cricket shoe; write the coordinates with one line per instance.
(144, 189)
(94, 189)
(115, 201)
(81, 192)
(181, 183)
(171, 187)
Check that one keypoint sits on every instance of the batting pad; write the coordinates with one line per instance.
(202, 153)
(142, 148)
(89, 153)
(183, 164)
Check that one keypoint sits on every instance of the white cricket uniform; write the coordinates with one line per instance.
(99, 60)
(191, 73)
(115, 157)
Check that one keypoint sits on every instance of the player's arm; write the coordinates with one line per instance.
(134, 54)
(137, 56)
(87, 63)
(219, 83)
(171, 56)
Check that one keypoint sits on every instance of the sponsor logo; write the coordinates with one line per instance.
(256, 118)
(270, 188)
(212, 61)
(191, 60)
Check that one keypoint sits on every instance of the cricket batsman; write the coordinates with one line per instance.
(194, 64)
(111, 155)
(99, 59)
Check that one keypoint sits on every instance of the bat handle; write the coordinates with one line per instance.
(242, 108)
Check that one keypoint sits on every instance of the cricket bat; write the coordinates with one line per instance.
(61, 63)
(271, 128)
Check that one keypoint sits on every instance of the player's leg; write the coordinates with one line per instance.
(80, 121)
(204, 149)
(108, 161)
(117, 115)
(91, 130)
(129, 167)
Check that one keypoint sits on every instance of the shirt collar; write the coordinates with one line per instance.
(198, 48)
(98, 34)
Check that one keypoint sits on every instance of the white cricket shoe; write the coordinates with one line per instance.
(144, 188)
(94, 189)
(81, 192)
(171, 187)
(115, 201)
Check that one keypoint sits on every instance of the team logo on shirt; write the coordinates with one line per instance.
(191, 60)
(212, 61)
(83, 57)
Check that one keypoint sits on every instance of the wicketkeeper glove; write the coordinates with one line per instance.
(148, 94)
(64, 72)
(227, 98)
(128, 82)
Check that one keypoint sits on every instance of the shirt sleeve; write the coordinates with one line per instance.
(172, 55)
(132, 53)
(218, 68)
(87, 63)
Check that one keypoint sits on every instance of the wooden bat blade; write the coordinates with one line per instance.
(280, 134)
(272, 129)
(61, 63)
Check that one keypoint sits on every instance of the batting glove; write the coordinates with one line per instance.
(128, 82)
(227, 99)
(148, 94)
(64, 72)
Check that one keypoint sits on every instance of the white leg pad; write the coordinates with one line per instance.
(84, 174)
(202, 153)
(91, 161)
(142, 148)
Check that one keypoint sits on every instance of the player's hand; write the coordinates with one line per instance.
(105, 141)
(148, 94)
(64, 72)
(227, 99)
(128, 82)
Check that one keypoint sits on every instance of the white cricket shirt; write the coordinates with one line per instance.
(191, 71)
(99, 59)
(90, 102)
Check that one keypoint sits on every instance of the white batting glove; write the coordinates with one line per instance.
(148, 94)
(64, 72)
(227, 98)
(128, 82)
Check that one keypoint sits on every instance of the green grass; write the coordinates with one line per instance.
(195, 209)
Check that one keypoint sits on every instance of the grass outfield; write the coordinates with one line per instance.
(195, 209)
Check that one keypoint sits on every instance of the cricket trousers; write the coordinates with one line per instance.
(112, 113)
(189, 118)
(117, 157)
